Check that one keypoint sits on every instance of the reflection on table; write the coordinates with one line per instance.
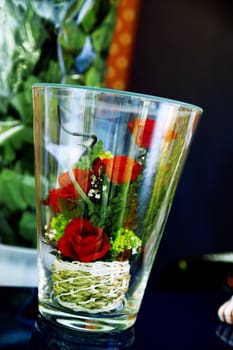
(173, 317)
(46, 335)
(167, 320)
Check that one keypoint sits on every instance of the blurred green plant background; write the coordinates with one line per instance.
(53, 41)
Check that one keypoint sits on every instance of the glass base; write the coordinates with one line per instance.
(85, 322)
(50, 336)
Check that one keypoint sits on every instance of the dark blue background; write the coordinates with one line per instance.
(184, 51)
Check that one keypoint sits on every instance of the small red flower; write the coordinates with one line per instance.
(142, 131)
(67, 190)
(121, 169)
(97, 166)
(83, 242)
(81, 176)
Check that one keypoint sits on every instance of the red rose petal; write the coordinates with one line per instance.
(142, 131)
(121, 169)
(82, 176)
(96, 255)
(83, 242)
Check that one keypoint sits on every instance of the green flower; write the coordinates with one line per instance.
(56, 228)
(124, 240)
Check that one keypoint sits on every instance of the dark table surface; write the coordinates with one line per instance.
(175, 318)
(167, 320)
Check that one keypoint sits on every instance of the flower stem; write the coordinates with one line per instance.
(80, 191)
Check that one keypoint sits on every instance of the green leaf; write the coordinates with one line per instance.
(52, 74)
(7, 235)
(10, 192)
(28, 190)
(16, 190)
(99, 63)
(8, 153)
(97, 151)
(9, 133)
(22, 101)
(13, 139)
(93, 77)
(27, 227)
(4, 103)
(91, 16)
(102, 36)
(74, 8)
(72, 38)
(87, 160)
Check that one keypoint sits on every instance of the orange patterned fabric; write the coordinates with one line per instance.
(121, 51)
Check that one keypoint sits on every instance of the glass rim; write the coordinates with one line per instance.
(153, 98)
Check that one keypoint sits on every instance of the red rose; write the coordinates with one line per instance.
(83, 242)
(67, 190)
(121, 169)
(58, 195)
(142, 131)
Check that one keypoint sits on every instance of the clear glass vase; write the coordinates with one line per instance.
(107, 167)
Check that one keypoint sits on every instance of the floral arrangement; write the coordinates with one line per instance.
(87, 203)
(94, 218)
(93, 223)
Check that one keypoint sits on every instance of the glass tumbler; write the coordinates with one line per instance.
(107, 164)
